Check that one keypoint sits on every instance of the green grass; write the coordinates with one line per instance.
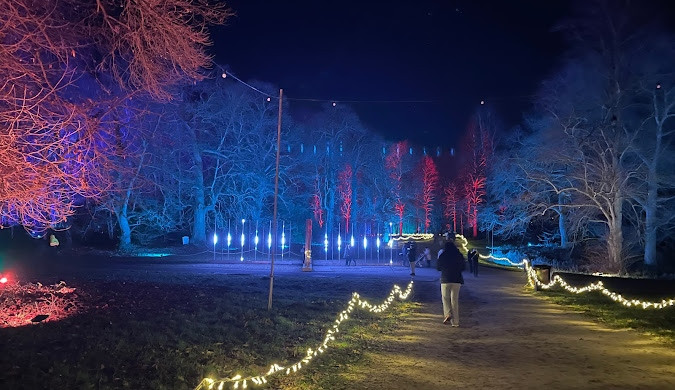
(168, 336)
(656, 322)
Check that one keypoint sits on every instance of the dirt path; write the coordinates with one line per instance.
(510, 340)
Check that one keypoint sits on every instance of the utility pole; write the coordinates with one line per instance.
(276, 193)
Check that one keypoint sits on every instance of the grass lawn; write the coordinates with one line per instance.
(169, 336)
(658, 322)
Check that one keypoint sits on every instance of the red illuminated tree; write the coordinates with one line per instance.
(478, 148)
(450, 200)
(68, 66)
(345, 191)
(394, 164)
(429, 187)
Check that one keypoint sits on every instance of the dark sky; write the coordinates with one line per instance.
(452, 52)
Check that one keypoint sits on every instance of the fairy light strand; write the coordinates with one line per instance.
(597, 286)
(239, 382)
(464, 244)
(558, 280)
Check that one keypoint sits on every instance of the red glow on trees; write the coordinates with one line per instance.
(450, 201)
(58, 142)
(429, 187)
(345, 191)
(478, 148)
(475, 195)
(393, 162)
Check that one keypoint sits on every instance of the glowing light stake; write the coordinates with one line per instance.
(239, 382)
(365, 243)
(339, 243)
(269, 241)
(241, 258)
(283, 239)
(255, 243)
(351, 241)
(377, 244)
(391, 251)
(215, 241)
(325, 242)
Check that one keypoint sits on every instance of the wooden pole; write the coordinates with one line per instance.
(276, 193)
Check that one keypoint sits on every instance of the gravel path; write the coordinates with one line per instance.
(509, 339)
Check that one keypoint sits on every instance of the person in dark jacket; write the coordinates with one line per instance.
(473, 261)
(348, 255)
(451, 264)
(412, 256)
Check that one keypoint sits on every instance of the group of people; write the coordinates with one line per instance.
(451, 263)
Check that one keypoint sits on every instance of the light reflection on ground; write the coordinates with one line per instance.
(23, 304)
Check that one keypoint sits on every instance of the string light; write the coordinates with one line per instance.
(558, 280)
(239, 382)
(597, 286)
(463, 243)
(415, 236)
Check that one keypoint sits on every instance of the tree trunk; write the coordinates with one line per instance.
(562, 230)
(650, 217)
(475, 222)
(561, 222)
(199, 223)
(123, 222)
(615, 237)
(330, 210)
(125, 231)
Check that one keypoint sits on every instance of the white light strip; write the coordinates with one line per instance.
(238, 381)
(463, 243)
(597, 286)
(416, 236)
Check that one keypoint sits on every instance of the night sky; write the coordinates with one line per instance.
(453, 53)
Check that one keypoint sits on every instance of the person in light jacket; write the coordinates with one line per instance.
(451, 264)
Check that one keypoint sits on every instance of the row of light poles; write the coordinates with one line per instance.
(256, 241)
(326, 242)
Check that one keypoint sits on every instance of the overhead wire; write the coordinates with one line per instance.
(226, 74)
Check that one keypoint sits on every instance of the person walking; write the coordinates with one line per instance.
(348, 255)
(473, 261)
(412, 257)
(451, 264)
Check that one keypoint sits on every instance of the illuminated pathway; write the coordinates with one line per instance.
(509, 339)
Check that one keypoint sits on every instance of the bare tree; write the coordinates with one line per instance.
(54, 145)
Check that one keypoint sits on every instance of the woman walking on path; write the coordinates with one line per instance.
(451, 264)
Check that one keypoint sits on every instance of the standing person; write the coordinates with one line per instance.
(473, 262)
(348, 255)
(427, 256)
(451, 265)
(412, 256)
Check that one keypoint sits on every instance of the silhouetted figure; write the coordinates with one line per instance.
(348, 255)
(412, 256)
(473, 261)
